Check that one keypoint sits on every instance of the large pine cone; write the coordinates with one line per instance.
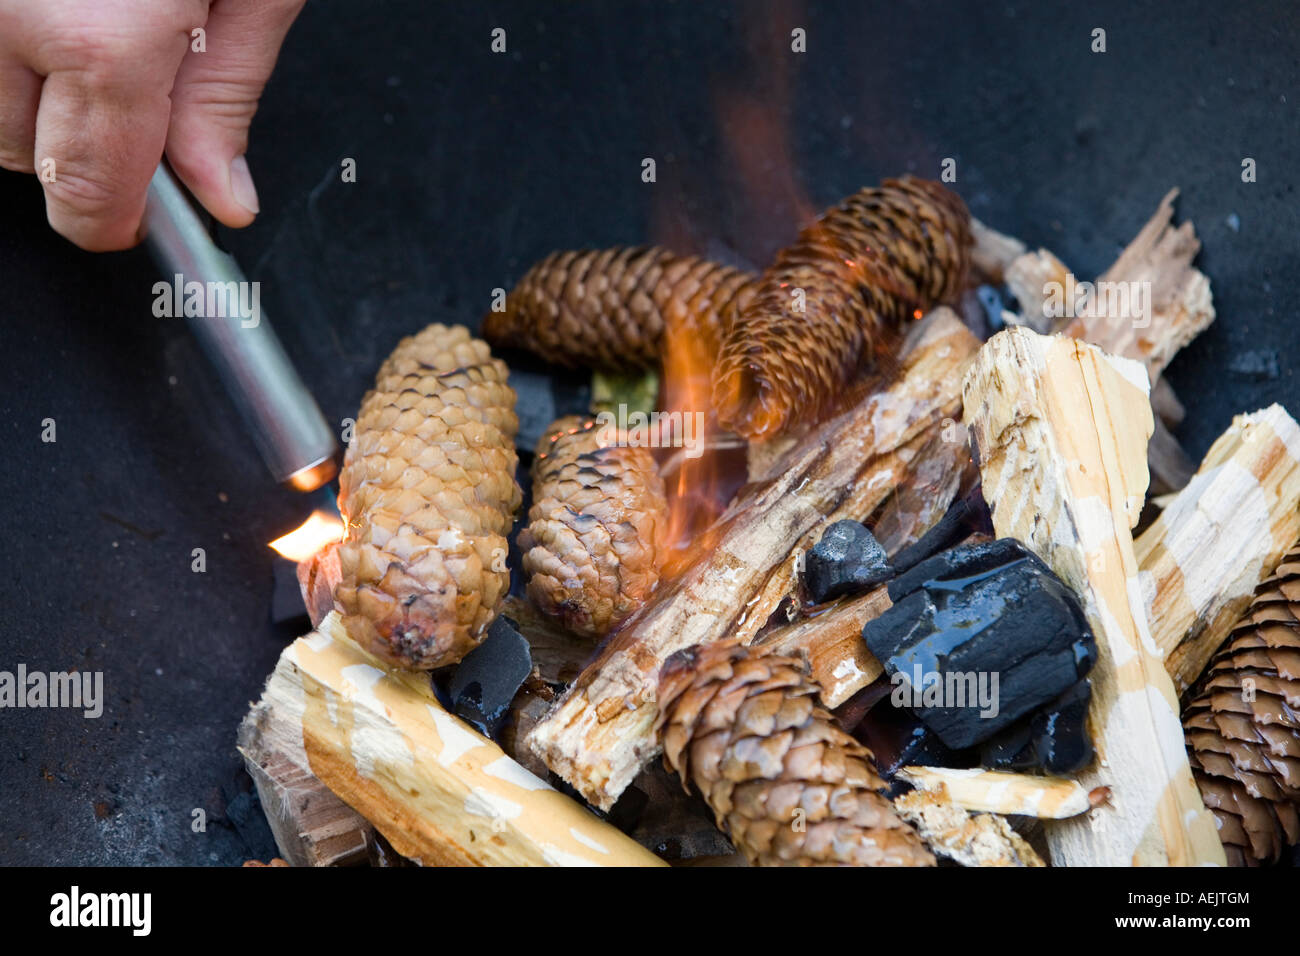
(592, 546)
(610, 309)
(428, 493)
(885, 255)
(743, 725)
(1243, 725)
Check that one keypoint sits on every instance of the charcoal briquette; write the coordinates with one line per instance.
(486, 680)
(1054, 738)
(847, 560)
(980, 636)
(953, 527)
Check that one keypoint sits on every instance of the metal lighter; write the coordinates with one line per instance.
(286, 424)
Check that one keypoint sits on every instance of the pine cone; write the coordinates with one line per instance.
(1243, 725)
(428, 493)
(611, 308)
(596, 527)
(744, 726)
(885, 255)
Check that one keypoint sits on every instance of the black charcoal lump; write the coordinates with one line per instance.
(1054, 739)
(897, 739)
(488, 677)
(847, 560)
(978, 637)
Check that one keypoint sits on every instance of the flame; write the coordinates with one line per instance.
(700, 481)
(770, 197)
(316, 532)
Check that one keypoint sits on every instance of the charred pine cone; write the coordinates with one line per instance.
(785, 783)
(596, 527)
(428, 493)
(826, 305)
(1243, 725)
(611, 309)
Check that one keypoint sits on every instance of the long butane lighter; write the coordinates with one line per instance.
(286, 424)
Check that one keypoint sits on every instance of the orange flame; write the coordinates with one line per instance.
(309, 537)
(770, 199)
(700, 481)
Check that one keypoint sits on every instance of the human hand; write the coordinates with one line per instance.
(93, 91)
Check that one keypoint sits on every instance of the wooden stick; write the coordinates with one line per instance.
(832, 642)
(993, 791)
(439, 792)
(982, 839)
(1062, 431)
(1214, 542)
(1168, 464)
(601, 731)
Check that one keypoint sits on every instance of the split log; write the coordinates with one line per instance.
(311, 826)
(831, 640)
(1178, 306)
(601, 731)
(1166, 403)
(1216, 540)
(982, 839)
(1178, 299)
(944, 471)
(440, 793)
(1028, 277)
(992, 252)
(1168, 464)
(1019, 794)
(1062, 430)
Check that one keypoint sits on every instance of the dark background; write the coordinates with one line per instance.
(471, 166)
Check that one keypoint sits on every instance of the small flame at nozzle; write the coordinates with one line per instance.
(319, 530)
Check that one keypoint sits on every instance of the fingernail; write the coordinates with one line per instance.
(241, 185)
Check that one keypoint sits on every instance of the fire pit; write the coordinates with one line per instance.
(906, 384)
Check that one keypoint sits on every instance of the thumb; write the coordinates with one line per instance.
(214, 98)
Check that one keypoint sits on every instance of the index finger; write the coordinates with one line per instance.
(100, 130)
